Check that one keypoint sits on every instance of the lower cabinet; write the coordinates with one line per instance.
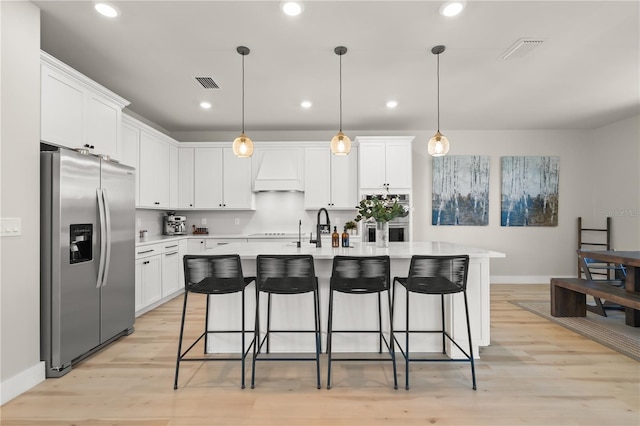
(195, 246)
(170, 268)
(148, 277)
(159, 273)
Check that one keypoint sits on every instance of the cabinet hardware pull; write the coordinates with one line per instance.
(146, 262)
(175, 245)
(146, 251)
(170, 254)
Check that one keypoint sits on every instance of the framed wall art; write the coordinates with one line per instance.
(529, 191)
(460, 190)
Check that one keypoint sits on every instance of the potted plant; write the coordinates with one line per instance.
(381, 209)
(351, 227)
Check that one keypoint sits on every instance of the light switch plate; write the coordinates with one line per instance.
(11, 226)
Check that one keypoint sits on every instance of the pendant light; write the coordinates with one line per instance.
(340, 144)
(242, 145)
(438, 144)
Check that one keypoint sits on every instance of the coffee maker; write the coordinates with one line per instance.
(175, 225)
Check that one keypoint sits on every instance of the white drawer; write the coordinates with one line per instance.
(170, 246)
(148, 250)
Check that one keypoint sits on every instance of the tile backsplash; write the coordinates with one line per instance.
(275, 212)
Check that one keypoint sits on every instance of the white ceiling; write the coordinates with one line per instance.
(586, 73)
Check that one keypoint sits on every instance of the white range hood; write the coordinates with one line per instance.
(278, 169)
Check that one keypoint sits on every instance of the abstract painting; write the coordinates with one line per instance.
(529, 191)
(460, 190)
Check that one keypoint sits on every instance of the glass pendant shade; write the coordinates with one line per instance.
(340, 144)
(243, 146)
(438, 145)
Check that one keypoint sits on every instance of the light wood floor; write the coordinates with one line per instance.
(534, 373)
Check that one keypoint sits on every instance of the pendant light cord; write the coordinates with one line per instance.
(340, 92)
(438, 79)
(243, 93)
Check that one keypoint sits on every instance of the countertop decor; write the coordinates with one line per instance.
(381, 208)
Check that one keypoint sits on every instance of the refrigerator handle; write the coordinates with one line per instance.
(103, 237)
(107, 215)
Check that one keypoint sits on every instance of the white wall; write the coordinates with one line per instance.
(614, 156)
(20, 366)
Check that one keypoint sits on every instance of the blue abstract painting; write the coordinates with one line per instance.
(529, 191)
(460, 190)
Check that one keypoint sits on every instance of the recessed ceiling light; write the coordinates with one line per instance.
(452, 8)
(205, 105)
(392, 104)
(306, 104)
(291, 8)
(106, 10)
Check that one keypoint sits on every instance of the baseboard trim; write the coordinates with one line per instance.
(21, 382)
(525, 279)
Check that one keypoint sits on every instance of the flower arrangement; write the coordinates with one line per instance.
(381, 208)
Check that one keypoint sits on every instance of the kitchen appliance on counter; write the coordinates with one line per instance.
(398, 227)
(87, 252)
(174, 225)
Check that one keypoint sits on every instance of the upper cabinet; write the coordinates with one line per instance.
(154, 171)
(213, 178)
(330, 181)
(156, 159)
(131, 149)
(76, 111)
(385, 163)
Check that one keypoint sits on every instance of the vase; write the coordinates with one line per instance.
(382, 234)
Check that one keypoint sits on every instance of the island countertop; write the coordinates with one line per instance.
(396, 250)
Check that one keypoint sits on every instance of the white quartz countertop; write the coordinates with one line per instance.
(395, 250)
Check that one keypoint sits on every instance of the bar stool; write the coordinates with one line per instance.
(436, 275)
(213, 275)
(285, 275)
(361, 275)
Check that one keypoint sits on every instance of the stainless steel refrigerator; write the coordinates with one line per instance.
(87, 255)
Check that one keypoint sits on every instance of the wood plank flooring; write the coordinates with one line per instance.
(534, 373)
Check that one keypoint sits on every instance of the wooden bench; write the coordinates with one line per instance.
(569, 296)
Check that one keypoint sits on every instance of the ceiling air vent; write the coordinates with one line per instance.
(520, 48)
(207, 82)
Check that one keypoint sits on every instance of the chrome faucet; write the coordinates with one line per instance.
(319, 226)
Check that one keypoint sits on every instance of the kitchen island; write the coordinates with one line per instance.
(360, 311)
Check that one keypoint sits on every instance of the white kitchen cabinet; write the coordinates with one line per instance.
(76, 111)
(61, 109)
(185, 178)
(207, 183)
(171, 268)
(103, 127)
(215, 242)
(148, 271)
(154, 165)
(214, 178)
(236, 181)
(130, 150)
(173, 176)
(183, 249)
(331, 181)
(195, 246)
(385, 164)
